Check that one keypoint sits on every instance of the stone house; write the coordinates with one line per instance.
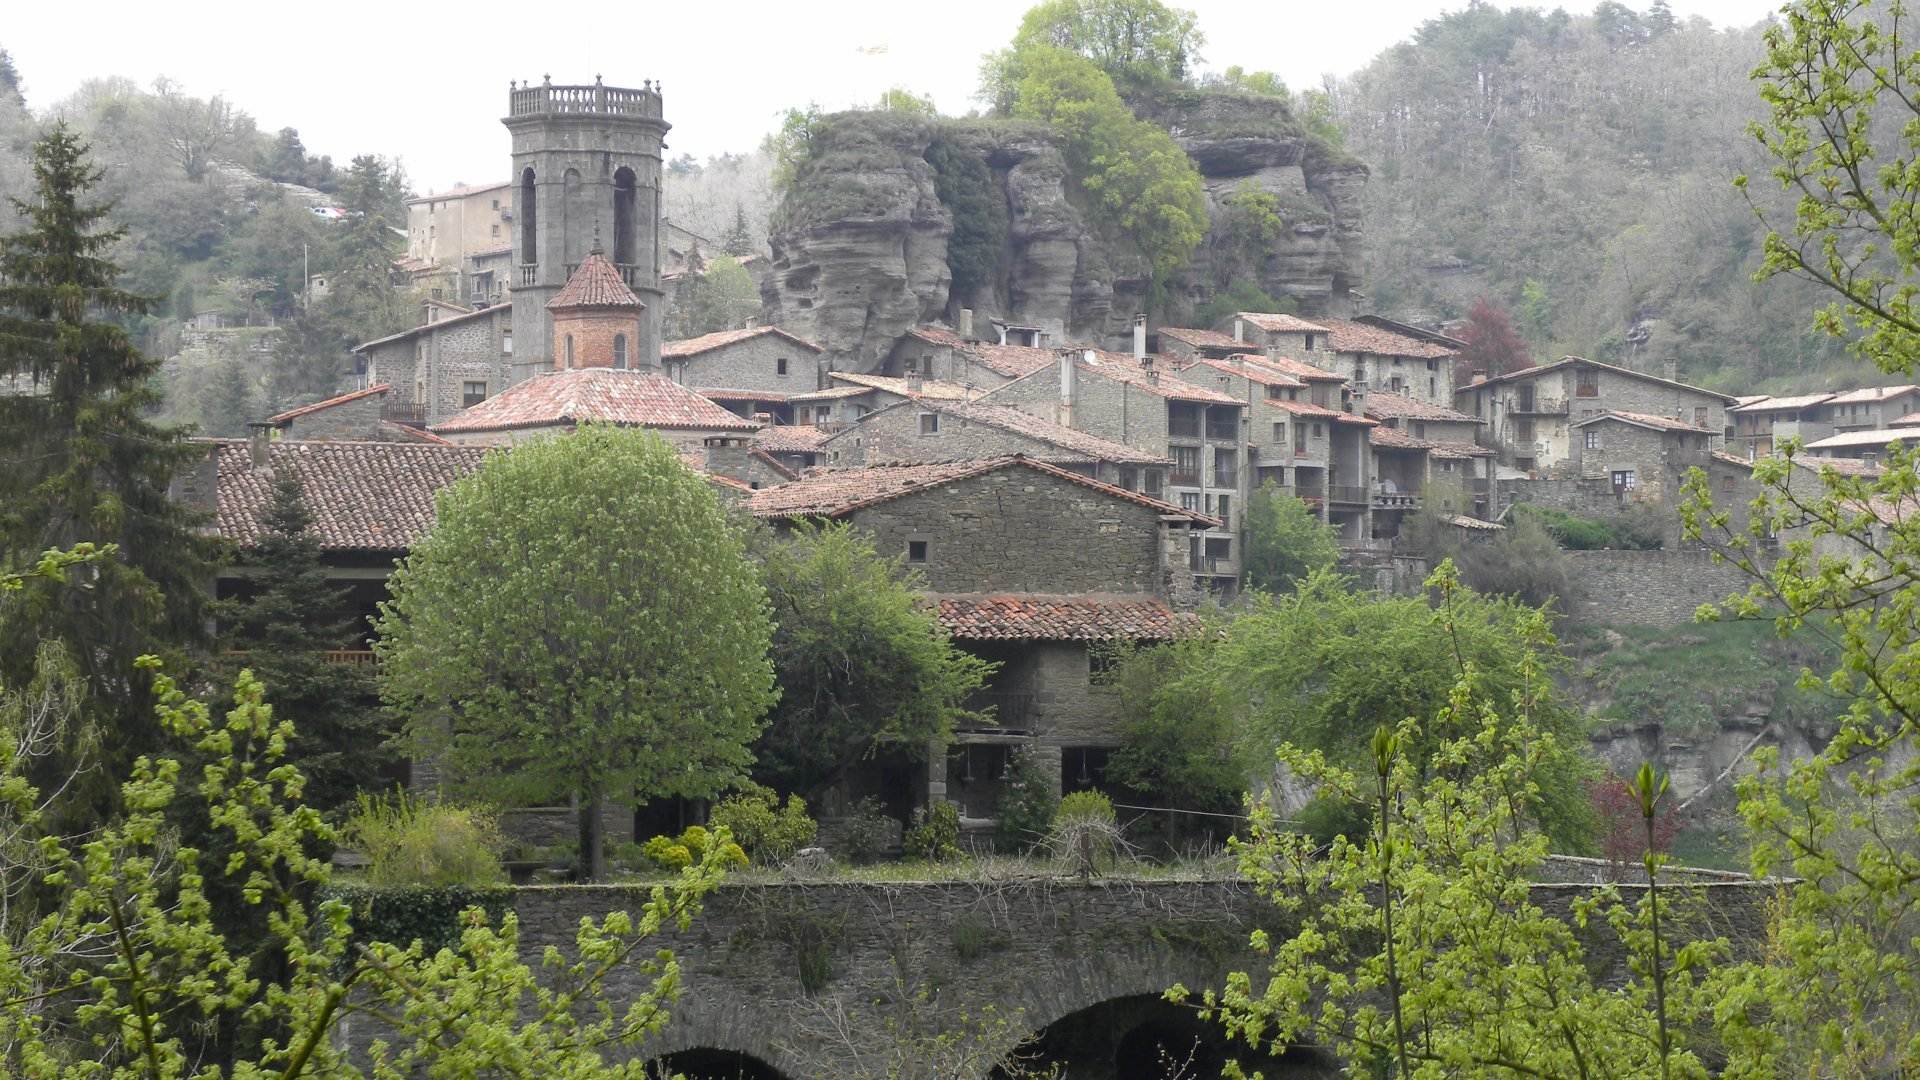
(1027, 564)
(1530, 413)
(1454, 455)
(1766, 422)
(1133, 401)
(885, 390)
(1870, 409)
(755, 370)
(560, 401)
(836, 406)
(487, 272)
(1185, 344)
(1399, 478)
(446, 227)
(933, 431)
(359, 415)
(1645, 455)
(1369, 355)
(796, 446)
(448, 363)
(936, 352)
(1314, 452)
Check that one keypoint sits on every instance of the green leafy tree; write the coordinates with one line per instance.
(1240, 295)
(581, 621)
(862, 664)
(1181, 745)
(1286, 542)
(1138, 178)
(130, 960)
(281, 628)
(719, 296)
(86, 463)
(901, 100)
(1139, 44)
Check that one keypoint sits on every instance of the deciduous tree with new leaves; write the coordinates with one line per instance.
(582, 621)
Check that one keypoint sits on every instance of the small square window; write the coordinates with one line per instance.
(472, 393)
(929, 423)
(780, 366)
(1593, 439)
(916, 551)
(1190, 500)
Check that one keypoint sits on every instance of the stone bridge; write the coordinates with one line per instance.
(797, 980)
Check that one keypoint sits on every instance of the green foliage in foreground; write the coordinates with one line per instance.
(415, 842)
(124, 961)
(1461, 972)
(582, 619)
(1691, 678)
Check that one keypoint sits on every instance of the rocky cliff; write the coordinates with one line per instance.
(860, 240)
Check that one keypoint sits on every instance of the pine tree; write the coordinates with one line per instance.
(739, 239)
(83, 462)
(281, 629)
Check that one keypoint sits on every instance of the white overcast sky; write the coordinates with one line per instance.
(427, 82)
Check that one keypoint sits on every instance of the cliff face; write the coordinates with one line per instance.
(860, 240)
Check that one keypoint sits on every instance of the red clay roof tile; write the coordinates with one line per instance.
(596, 283)
(364, 496)
(1044, 617)
(608, 395)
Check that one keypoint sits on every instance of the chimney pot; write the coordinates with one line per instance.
(1140, 336)
(259, 444)
(965, 326)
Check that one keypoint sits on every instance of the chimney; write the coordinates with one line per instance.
(1239, 329)
(1140, 337)
(1670, 369)
(965, 324)
(728, 456)
(1479, 376)
(259, 441)
(916, 381)
(1067, 375)
(1147, 366)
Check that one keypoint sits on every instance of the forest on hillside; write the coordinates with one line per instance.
(1579, 169)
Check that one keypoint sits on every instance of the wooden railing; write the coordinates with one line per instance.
(1009, 710)
(1347, 493)
(349, 657)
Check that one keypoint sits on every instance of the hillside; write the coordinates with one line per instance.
(1579, 169)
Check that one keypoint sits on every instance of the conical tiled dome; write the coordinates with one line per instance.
(596, 284)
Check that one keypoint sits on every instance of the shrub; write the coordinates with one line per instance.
(1084, 806)
(413, 841)
(1026, 806)
(935, 833)
(766, 830)
(691, 846)
(1084, 831)
(867, 832)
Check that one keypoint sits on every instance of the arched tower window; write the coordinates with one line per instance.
(527, 209)
(569, 350)
(624, 236)
(620, 350)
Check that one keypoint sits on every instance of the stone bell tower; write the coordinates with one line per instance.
(586, 165)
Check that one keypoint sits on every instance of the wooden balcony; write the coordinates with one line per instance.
(1352, 494)
(349, 657)
(1539, 407)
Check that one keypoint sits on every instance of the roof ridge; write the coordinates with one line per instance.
(337, 399)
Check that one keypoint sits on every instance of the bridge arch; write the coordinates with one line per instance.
(1146, 1037)
(711, 1063)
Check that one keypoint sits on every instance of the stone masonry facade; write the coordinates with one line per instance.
(755, 363)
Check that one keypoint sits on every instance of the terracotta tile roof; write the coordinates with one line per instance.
(832, 393)
(1386, 405)
(694, 346)
(938, 335)
(1871, 394)
(761, 455)
(936, 389)
(1251, 369)
(1124, 368)
(717, 393)
(1081, 445)
(792, 438)
(1661, 423)
(1345, 335)
(1459, 451)
(459, 191)
(640, 399)
(450, 320)
(307, 410)
(1750, 399)
(1297, 368)
(1850, 439)
(595, 284)
(365, 496)
(1771, 404)
(1730, 459)
(1318, 412)
(394, 432)
(1043, 617)
(1276, 323)
(834, 492)
(1570, 361)
(1473, 524)
(1842, 465)
(1417, 333)
(1202, 339)
(1911, 419)
(1395, 439)
(1013, 361)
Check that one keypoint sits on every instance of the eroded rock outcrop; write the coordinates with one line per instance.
(860, 242)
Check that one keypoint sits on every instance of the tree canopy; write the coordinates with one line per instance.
(1286, 542)
(581, 620)
(861, 663)
(1137, 43)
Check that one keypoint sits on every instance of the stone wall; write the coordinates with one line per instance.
(1019, 530)
(1109, 408)
(1647, 588)
(768, 968)
(467, 351)
(356, 419)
